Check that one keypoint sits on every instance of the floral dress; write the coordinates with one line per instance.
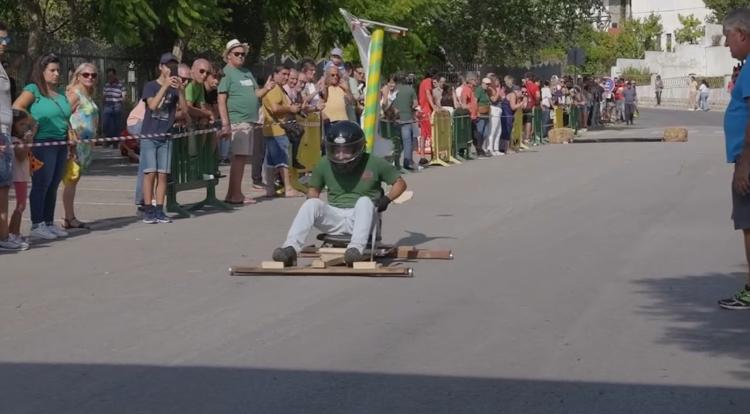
(84, 122)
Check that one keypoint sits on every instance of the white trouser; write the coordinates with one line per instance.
(357, 221)
(496, 128)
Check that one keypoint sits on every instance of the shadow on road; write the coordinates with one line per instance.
(83, 388)
(699, 325)
(417, 239)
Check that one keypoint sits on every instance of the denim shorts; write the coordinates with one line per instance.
(156, 155)
(6, 161)
(277, 151)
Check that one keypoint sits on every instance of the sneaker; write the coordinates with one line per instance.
(286, 255)
(57, 230)
(352, 255)
(740, 301)
(162, 217)
(42, 232)
(149, 216)
(16, 238)
(11, 246)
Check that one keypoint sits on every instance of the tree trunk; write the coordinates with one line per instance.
(275, 43)
(178, 48)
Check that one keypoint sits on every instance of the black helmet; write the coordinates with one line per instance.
(345, 144)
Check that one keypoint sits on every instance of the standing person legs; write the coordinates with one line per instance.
(241, 150)
(407, 140)
(278, 159)
(258, 155)
(658, 98)
(493, 141)
(741, 218)
(507, 121)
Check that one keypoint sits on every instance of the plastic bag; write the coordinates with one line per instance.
(72, 172)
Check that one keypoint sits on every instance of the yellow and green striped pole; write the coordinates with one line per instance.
(373, 87)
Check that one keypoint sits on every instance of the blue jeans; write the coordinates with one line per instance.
(45, 181)
(111, 120)
(545, 122)
(409, 133)
(480, 124)
(703, 101)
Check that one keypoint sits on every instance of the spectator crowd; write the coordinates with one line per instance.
(46, 130)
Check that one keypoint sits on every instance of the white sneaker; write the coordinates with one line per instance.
(11, 246)
(57, 230)
(43, 232)
(16, 238)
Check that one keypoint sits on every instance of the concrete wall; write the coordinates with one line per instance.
(676, 93)
(669, 10)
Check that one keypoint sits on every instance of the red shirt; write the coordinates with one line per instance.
(533, 93)
(425, 92)
(467, 94)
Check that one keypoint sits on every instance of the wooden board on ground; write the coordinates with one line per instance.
(365, 265)
(411, 252)
(333, 271)
(327, 260)
(272, 265)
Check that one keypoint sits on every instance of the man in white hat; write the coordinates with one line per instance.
(238, 107)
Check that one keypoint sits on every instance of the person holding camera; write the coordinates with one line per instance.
(162, 97)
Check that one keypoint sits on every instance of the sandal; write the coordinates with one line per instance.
(74, 223)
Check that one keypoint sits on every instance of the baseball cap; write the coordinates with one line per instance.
(167, 57)
(337, 52)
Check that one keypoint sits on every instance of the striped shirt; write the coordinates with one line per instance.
(114, 93)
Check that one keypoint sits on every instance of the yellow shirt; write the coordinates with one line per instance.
(335, 108)
(271, 127)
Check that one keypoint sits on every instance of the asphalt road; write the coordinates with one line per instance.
(585, 281)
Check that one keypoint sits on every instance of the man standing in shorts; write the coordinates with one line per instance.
(736, 127)
(162, 97)
(238, 108)
(277, 109)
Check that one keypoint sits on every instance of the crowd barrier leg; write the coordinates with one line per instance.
(462, 134)
(392, 131)
(193, 167)
(536, 125)
(516, 135)
(559, 117)
(441, 139)
(309, 149)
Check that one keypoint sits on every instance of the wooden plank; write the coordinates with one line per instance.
(366, 265)
(272, 265)
(333, 271)
(327, 260)
(410, 252)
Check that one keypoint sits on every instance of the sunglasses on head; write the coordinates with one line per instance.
(239, 54)
(89, 75)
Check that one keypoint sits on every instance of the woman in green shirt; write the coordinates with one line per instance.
(50, 108)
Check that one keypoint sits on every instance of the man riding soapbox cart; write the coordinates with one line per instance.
(351, 220)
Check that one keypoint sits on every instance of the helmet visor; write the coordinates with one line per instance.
(344, 153)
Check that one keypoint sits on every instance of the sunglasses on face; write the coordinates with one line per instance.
(333, 75)
(5, 40)
(185, 80)
(239, 54)
(203, 71)
(88, 75)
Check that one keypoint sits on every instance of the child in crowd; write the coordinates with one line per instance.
(24, 129)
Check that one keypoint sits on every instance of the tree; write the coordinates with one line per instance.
(720, 8)
(691, 30)
(652, 31)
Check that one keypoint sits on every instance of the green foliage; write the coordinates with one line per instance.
(720, 8)
(639, 75)
(691, 30)
(652, 30)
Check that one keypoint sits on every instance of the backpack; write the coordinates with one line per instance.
(135, 118)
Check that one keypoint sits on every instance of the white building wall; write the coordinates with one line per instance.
(669, 10)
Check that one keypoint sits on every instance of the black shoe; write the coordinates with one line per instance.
(352, 255)
(286, 255)
(298, 166)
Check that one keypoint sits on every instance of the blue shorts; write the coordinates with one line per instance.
(277, 151)
(156, 155)
(6, 161)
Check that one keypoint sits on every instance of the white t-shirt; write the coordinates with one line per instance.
(546, 97)
(703, 88)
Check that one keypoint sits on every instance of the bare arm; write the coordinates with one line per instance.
(155, 101)
(24, 101)
(397, 189)
(73, 100)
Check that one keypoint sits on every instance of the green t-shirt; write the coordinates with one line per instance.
(345, 190)
(404, 102)
(239, 84)
(52, 114)
(195, 93)
(482, 98)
